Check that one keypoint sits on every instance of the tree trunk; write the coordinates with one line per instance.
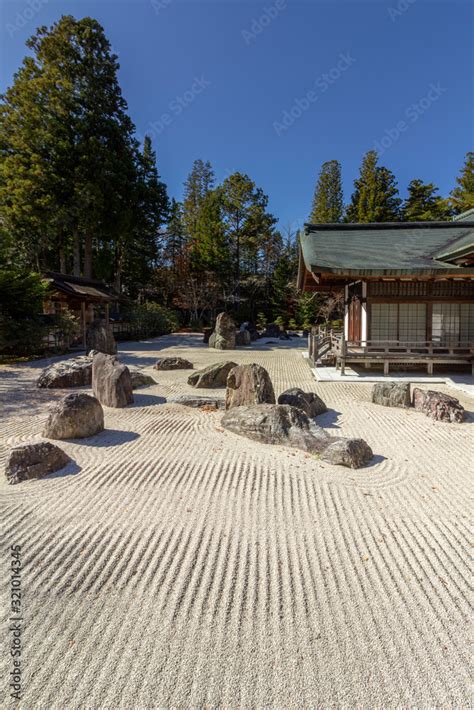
(62, 261)
(76, 258)
(88, 256)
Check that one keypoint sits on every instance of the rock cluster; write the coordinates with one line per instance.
(289, 426)
(111, 381)
(99, 336)
(75, 372)
(173, 363)
(223, 337)
(438, 406)
(212, 376)
(76, 416)
(309, 402)
(248, 384)
(34, 461)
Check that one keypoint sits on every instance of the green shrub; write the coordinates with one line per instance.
(150, 319)
(280, 321)
(261, 321)
(22, 327)
(292, 324)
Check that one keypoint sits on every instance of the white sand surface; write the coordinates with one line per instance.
(177, 565)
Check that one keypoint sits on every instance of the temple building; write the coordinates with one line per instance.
(408, 287)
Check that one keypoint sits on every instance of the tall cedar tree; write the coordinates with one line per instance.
(462, 197)
(328, 200)
(67, 148)
(175, 239)
(141, 252)
(375, 197)
(422, 204)
(198, 183)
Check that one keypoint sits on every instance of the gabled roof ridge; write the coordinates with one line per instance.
(330, 226)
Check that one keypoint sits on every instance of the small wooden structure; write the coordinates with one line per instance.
(87, 299)
(408, 287)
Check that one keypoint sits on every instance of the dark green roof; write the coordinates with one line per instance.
(387, 249)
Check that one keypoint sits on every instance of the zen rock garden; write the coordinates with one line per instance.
(251, 407)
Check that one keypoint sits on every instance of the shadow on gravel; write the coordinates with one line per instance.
(328, 420)
(72, 469)
(146, 400)
(107, 438)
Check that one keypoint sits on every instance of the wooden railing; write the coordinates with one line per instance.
(408, 347)
(322, 341)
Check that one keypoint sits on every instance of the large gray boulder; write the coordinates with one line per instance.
(392, 394)
(76, 416)
(223, 337)
(276, 424)
(111, 381)
(140, 378)
(212, 376)
(34, 461)
(250, 327)
(289, 426)
(75, 372)
(99, 336)
(353, 453)
(173, 363)
(272, 331)
(249, 384)
(309, 402)
(437, 405)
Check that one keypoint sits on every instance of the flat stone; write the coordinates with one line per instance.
(173, 363)
(75, 372)
(34, 460)
(309, 402)
(140, 378)
(198, 402)
(437, 405)
(392, 394)
(111, 381)
(276, 424)
(212, 376)
(76, 416)
(99, 336)
(249, 384)
(353, 453)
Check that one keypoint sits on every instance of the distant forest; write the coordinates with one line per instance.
(79, 194)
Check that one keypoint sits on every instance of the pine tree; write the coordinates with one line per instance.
(328, 201)
(462, 197)
(247, 223)
(375, 197)
(422, 204)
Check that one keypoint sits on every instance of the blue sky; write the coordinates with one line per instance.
(274, 89)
